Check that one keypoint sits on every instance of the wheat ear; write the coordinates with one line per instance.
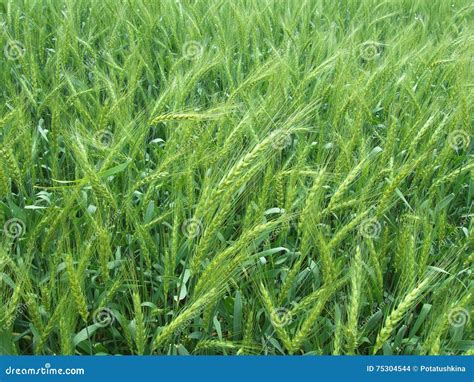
(397, 314)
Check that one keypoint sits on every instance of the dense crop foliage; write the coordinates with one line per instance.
(236, 177)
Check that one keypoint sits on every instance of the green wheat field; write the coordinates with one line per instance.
(219, 177)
